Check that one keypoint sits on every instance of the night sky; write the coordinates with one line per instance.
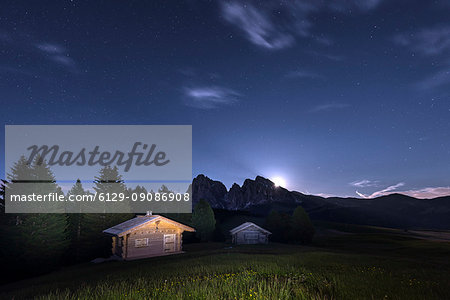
(339, 97)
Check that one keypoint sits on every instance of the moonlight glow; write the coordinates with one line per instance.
(279, 181)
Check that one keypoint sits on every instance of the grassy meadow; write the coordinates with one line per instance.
(354, 262)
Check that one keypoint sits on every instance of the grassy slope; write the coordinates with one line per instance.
(363, 263)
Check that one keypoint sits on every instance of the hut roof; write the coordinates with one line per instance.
(246, 225)
(124, 227)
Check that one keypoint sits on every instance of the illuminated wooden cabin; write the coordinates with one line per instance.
(147, 236)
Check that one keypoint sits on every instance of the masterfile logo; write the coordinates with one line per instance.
(95, 157)
(148, 166)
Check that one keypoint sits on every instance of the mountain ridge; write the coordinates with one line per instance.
(260, 196)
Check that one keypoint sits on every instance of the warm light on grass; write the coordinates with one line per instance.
(393, 267)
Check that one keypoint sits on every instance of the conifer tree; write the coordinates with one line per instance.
(279, 225)
(44, 183)
(37, 241)
(6, 226)
(203, 220)
(109, 181)
(76, 224)
(164, 189)
(138, 206)
(302, 228)
(2, 197)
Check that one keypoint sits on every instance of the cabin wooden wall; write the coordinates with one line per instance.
(155, 234)
(250, 236)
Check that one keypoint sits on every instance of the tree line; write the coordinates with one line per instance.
(35, 243)
(295, 228)
(285, 228)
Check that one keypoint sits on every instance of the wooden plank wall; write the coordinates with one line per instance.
(240, 237)
(155, 233)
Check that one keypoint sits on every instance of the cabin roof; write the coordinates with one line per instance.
(246, 225)
(124, 227)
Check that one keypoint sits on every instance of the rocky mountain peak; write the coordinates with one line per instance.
(211, 190)
(255, 192)
(265, 181)
(261, 195)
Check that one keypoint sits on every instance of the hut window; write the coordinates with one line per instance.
(141, 243)
(251, 236)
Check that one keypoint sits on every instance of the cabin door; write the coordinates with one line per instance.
(169, 242)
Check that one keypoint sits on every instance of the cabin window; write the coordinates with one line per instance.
(141, 243)
(251, 236)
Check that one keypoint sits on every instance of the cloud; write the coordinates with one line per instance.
(209, 97)
(328, 107)
(15, 70)
(382, 192)
(326, 195)
(303, 74)
(63, 60)
(428, 193)
(364, 183)
(433, 42)
(56, 53)
(257, 27)
(424, 193)
(188, 72)
(326, 55)
(361, 195)
(427, 41)
(326, 41)
(361, 5)
(436, 80)
(367, 4)
(28, 46)
(276, 25)
(51, 48)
